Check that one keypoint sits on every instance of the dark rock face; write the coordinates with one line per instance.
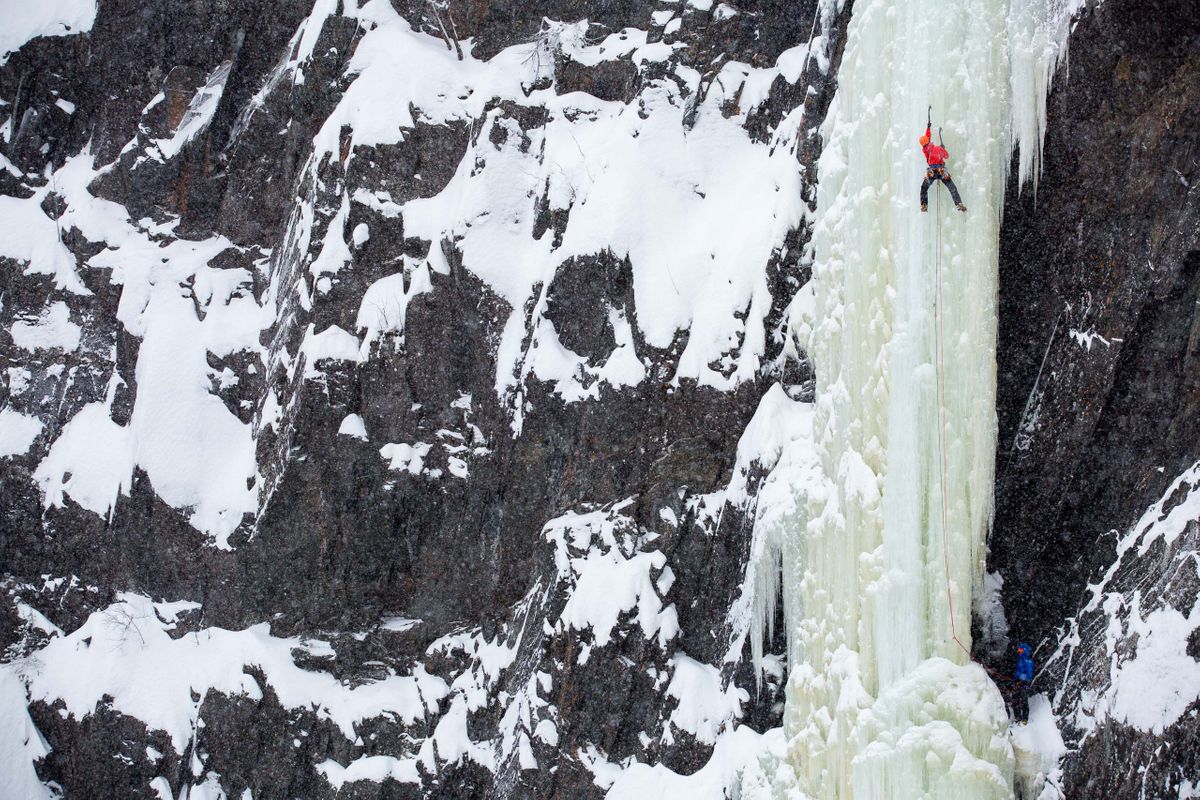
(462, 561)
(1099, 373)
(478, 537)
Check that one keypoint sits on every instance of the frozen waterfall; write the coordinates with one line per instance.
(882, 538)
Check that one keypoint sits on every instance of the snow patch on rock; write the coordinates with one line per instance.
(353, 425)
(17, 432)
(199, 113)
(610, 574)
(1151, 679)
(52, 330)
(705, 705)
(126, 656)
(25, 20)
(91, 462)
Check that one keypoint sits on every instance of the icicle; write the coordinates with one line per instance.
(767, 554)
(1038, 32)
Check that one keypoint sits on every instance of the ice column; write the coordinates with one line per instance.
(882, 701)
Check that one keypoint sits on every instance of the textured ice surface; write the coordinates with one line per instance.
(882, 543)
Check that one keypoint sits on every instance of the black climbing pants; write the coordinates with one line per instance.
(939, 174)
(1021, 702)
(1016, 697)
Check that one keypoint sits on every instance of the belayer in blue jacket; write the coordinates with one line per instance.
(1024, 670)
(1024, 676)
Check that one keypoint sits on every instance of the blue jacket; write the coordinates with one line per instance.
(1024, 670)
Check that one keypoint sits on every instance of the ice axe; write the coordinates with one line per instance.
(929, 124)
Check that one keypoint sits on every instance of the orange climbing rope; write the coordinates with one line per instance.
(941, 381)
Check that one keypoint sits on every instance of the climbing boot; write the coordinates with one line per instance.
(961, 207)
(924, 208)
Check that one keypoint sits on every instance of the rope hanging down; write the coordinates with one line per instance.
(941, 385)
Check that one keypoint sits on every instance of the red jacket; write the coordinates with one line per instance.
(934, 154)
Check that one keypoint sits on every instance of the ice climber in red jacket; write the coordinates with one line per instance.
(936, 156)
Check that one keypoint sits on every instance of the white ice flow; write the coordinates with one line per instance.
(881, 549)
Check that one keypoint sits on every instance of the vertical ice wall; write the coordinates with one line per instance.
(881, 552)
